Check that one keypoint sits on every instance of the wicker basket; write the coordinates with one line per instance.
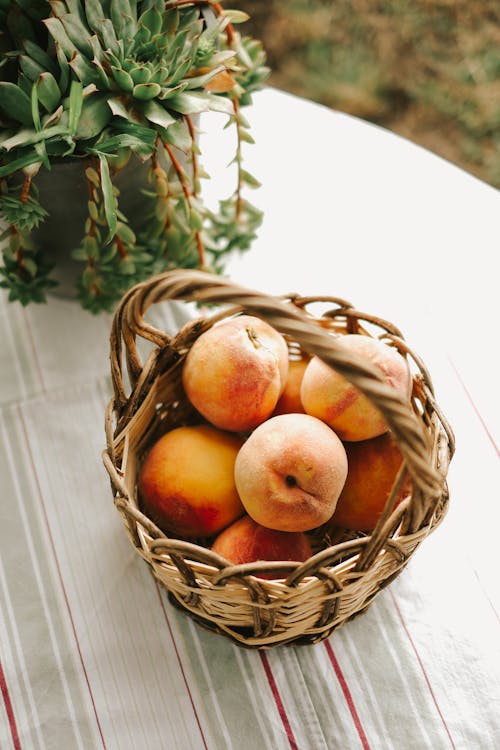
(346, 571)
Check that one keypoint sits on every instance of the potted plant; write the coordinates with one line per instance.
(99, 156)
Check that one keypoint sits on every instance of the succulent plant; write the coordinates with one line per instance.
(103, 82)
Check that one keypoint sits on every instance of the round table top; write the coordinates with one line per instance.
(92, 654)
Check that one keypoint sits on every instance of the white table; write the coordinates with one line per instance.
(92, 655)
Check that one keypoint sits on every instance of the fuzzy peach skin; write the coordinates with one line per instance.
(246, 541)
(186, 483)
(290, 471)
(328, 396)
(290, 402)
(373, 467)
(235, 372)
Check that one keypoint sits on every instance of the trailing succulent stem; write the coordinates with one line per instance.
(108, 83)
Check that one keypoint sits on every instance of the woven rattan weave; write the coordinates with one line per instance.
(347, 570)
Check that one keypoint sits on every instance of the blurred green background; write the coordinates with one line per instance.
(426, 69)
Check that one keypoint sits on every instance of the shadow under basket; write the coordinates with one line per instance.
(347, 569)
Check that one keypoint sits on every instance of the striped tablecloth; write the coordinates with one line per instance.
(92, 654)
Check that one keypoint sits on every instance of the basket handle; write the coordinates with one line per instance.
(200, 286)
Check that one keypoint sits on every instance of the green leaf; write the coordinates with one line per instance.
(107, 32)
(30, 68)
(109, 146)
(118, 108)
(40, 56)
(180, 72)
(108, 196)
(235, 16)
(160, 75)
(58, 33)
(171, 21)
(90, 247)
(65, 71)
(48, 91)
(124, 20)
(93, 211)
(19, 138)
(123, 79)
(15, 103)
(95, 115)
(195, 221)
(178, 135)
(30, 266)
(75, 8)
(58, 115)
(95, 14)
(140, 73)
(84, 71)
(35, 111)
(245, 136)
(75, 106)
(88, 277)
(157, 114)
(92, 176)
(146, 91)
(151, 20)
(142, 38)
(148, 135)
(188, 104)
(108, 253)
(96, 49)
(127, 266)
(29, 137)
(77, 33)
(249, 179)
(219, 104)
(126, 234)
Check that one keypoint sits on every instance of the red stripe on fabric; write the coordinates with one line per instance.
(278, 701)
(476, 575)
(347, 695)
(473, 404)
(9, 710)
(60, 576)
(34, 350)
(180, 663)
(422, 667)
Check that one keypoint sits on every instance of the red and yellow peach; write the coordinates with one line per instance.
(246, 541)
(329, 396)
(373, 467)
(235, 372)
(186, 482)
(290, 471)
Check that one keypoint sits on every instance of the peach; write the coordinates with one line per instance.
(289, 402)
(186, 482)
(373, 467)
(246, 541)
(235, 372)
(328, 396)
(290, 471)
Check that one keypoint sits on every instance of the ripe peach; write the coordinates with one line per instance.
(235, 372)
(373, 466)
(246, 541)
(329, 396)
(186, 483)
(290, 471)
(289, 402)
